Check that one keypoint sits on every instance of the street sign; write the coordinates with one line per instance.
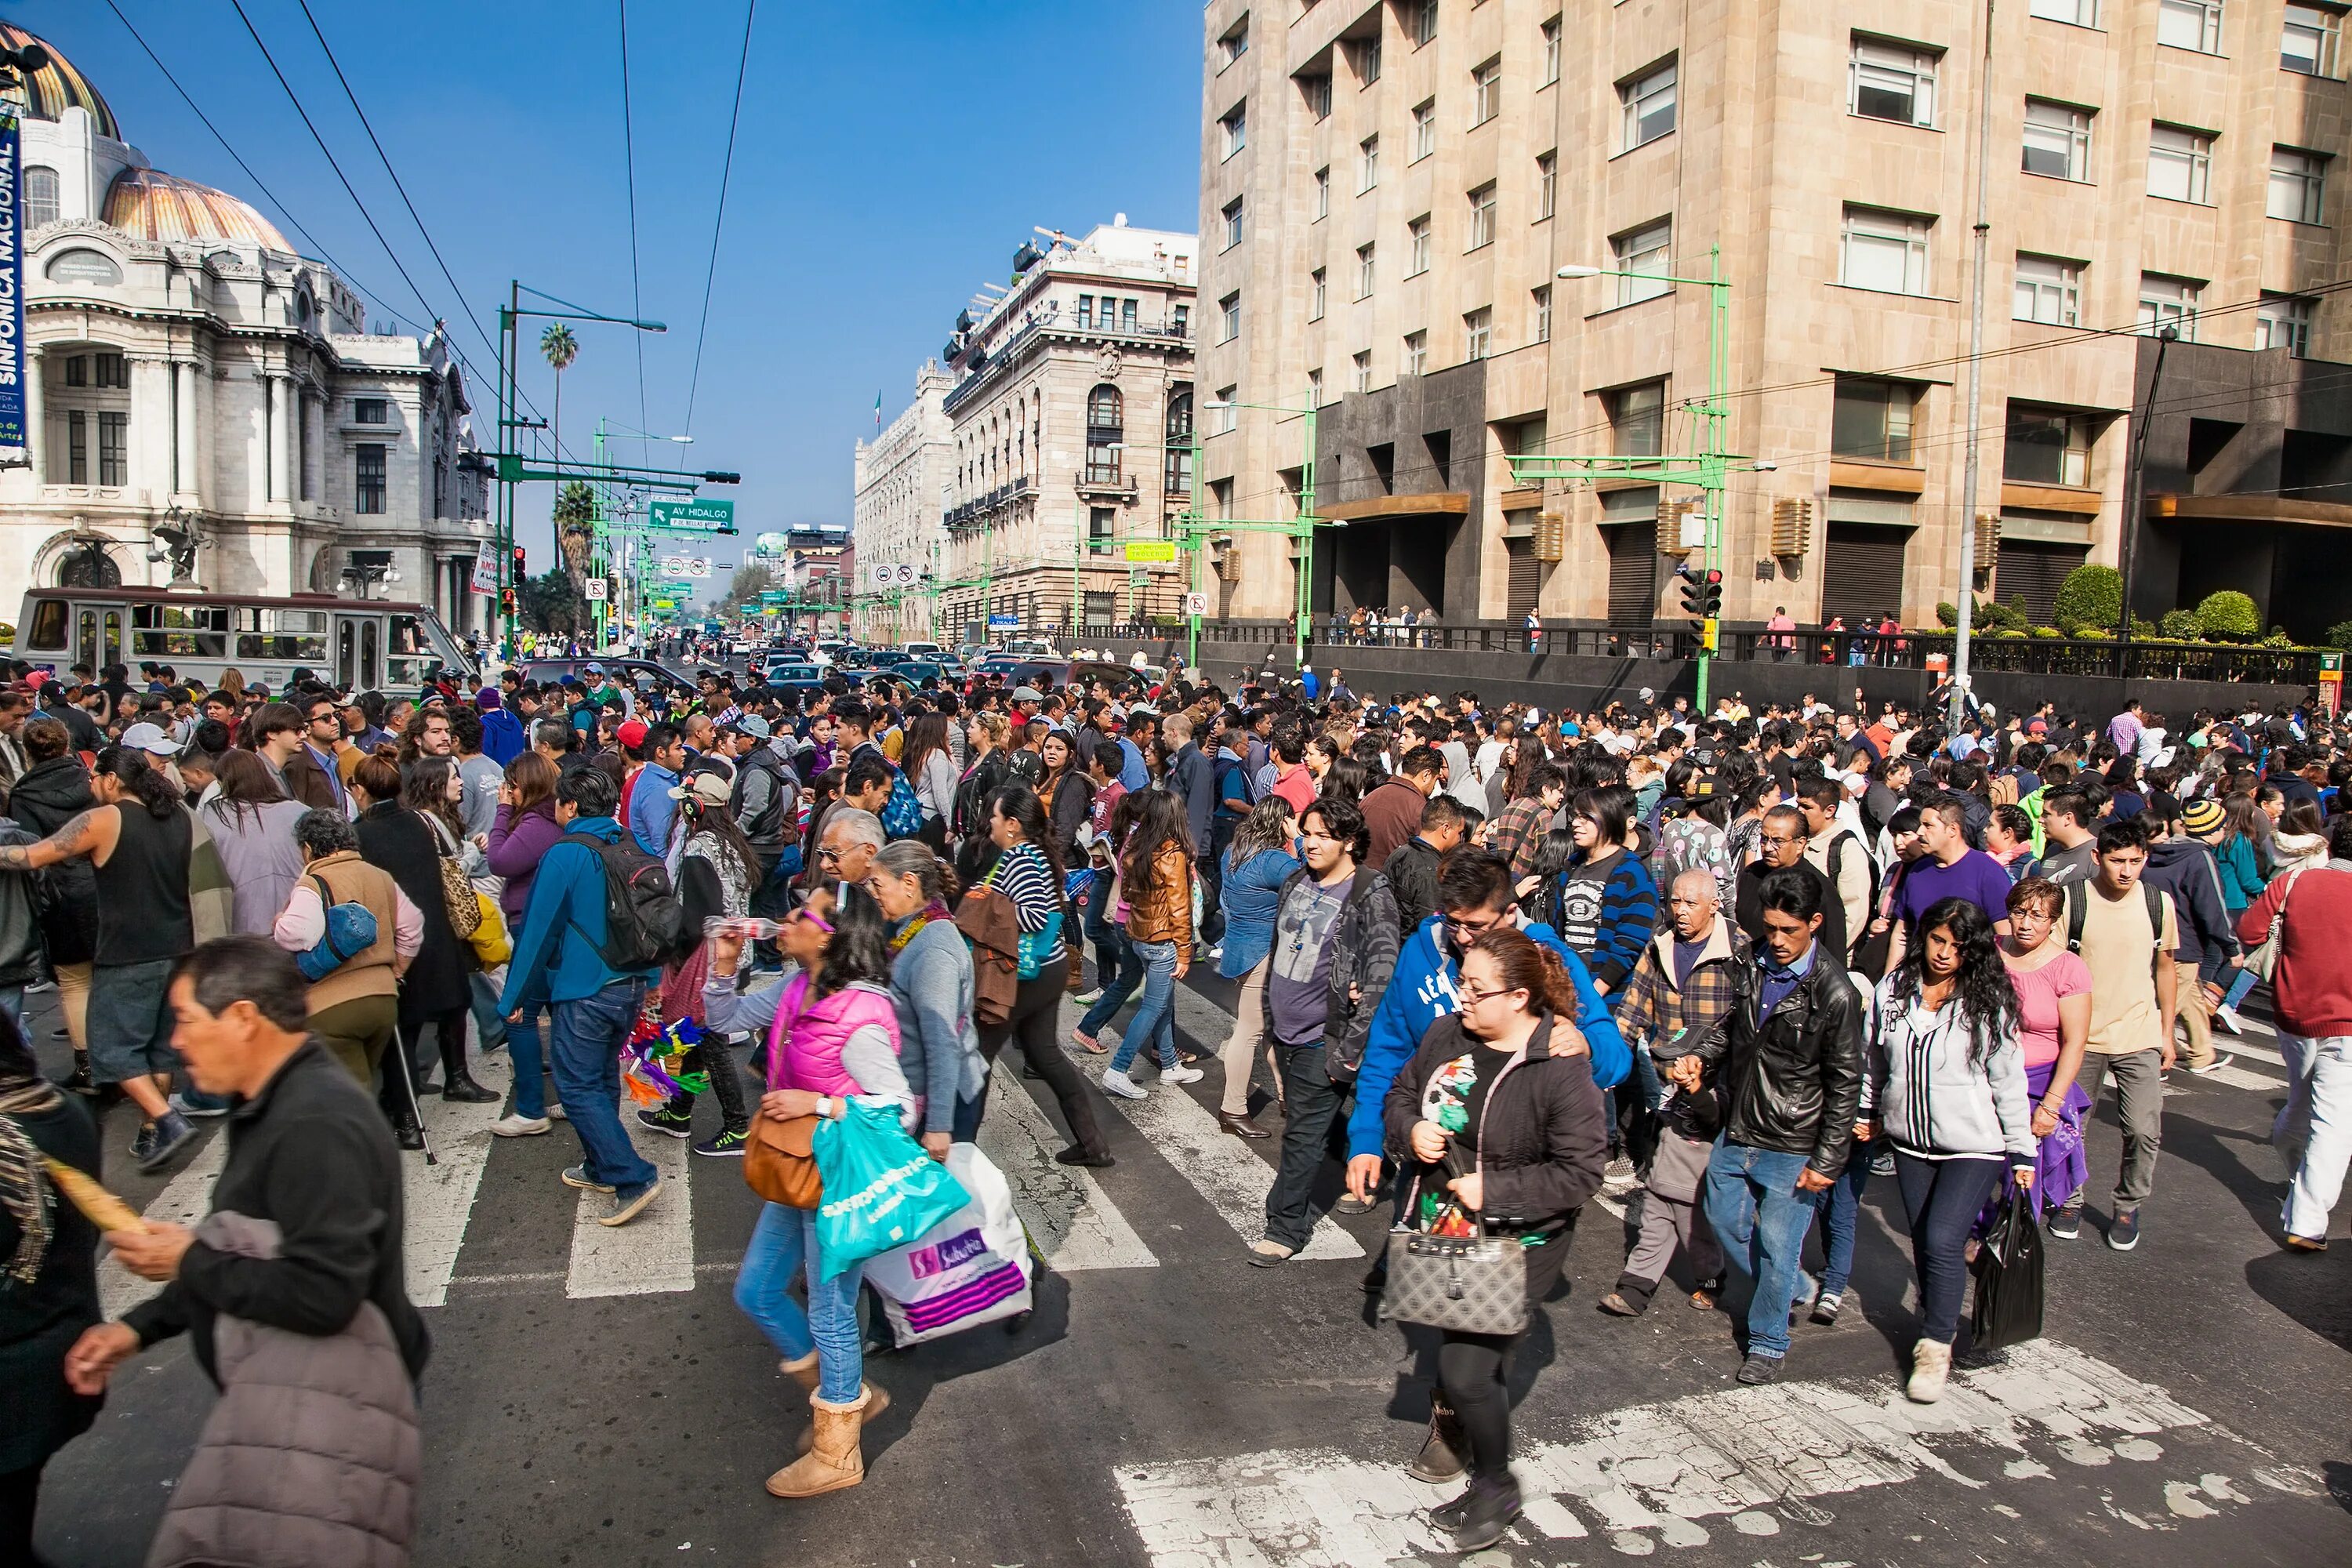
(1150, 550)
(1003, 623)
(775, 596)
(1196, 603)
(665, 603)
(592, 590)
(699, 512)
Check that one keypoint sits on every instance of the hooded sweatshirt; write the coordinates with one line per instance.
(2186, 870)
(502, 737)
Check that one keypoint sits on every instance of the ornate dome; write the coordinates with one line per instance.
(148, 204)
(49, 90)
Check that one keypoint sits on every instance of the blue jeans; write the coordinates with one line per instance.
(529, 1059)
(586, 1044)
(784, 1244)
(490, 1024)
(1155, 1016)
(1760, 1216)
(1119, 970)
(1841, 1212)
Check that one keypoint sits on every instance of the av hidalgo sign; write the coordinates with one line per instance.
(13, 444)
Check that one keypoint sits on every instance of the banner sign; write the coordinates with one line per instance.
(1161, 550)
(12, 298)
(485, 568)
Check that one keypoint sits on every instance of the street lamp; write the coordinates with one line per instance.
(1300, 529)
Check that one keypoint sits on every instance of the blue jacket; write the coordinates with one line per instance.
(1192, 779)
(1629, 918)
(560, 956)
(1251, 894)
(651, 810)
(1422, 991)
(502, 737)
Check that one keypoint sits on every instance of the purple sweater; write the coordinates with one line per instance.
(517, 846)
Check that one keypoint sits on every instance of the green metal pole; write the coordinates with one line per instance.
(1711, 466)
(1304, 524)
(1192, 536)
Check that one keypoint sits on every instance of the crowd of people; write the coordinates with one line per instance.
(1490, 961)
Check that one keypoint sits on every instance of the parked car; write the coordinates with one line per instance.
(631, 676)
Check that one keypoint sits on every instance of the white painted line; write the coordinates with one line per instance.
(1644, 1476)
(185, 1199)
(440, 1197)
(653, 1252)
(2239, 1047)
(2232, 1076)
(1073, 1223)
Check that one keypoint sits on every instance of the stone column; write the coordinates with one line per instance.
(280, 445)
(150, 453)
(36, 418)
(184, 437)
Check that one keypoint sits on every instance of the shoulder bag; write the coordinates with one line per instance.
(458, 899)
(779, 1157)
(2263, 959)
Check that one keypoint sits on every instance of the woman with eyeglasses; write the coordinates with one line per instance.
(833, 1035)
(2054, 1005)
(1497, 1127)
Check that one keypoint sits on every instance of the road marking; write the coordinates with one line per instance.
(653, 1252)
(1647, 1476)
(184, 1200)
(1073, 1223)
(2236, 1077)
(1221, 1168)
(440, 1197)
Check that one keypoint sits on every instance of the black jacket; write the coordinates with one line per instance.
(49, 795)
(2185, 868)
(1412, 872)
(1364, 945)
(1792, 1081)
(312, 1152)
(1545, 1137)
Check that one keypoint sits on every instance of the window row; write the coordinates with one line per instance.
(1485, 100)
(1879, 420)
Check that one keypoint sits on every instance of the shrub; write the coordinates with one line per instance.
(2046, 632)
(2178, 623)
(2010, 632)
(2229, 616)
(1947, 612)
(2091, 598)
(2338, 636)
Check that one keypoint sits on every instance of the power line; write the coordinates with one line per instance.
(726, 170)
(629, 159)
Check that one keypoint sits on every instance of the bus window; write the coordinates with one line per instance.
(48, 628)
(346, 674)
(412, 656)
(86, 638)
(113, 637)
(168, 631)
(371, 669)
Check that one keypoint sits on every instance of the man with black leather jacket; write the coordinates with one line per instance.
(1786, 1064)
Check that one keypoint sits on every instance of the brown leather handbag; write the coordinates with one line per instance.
(780, 1161)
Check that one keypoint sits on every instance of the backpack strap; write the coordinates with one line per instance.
(2078, 910)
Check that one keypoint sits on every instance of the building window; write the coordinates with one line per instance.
(2307, 44)
(1317, 90)
(1126, 315)
(1367, 61)
(367, 480)
(1424, 129)
(2057, 140)
(1102, 522)
(2189, 24)
(1176, 478)
(2169, 302)
(1228, 413)
(1368, 164)
(1550, 52)
(40, 196)
(1106, 433)
(1085, 311)
(1235, 125)
(1416, 255)
(1645, 254)
(1479, 334)
(1487, 91)
(77, 371)
(1543, 314)
(1891, 82)
(1314, 387)
(1364, 272)
(1416, 354)
(1235, 44)
(77, 447)
(374, 411)
(2180, 164)
(1359, 371)
(2297, 182)
(1649, 104)
(2047, 291)
(1322, 192)
(1182, 320)
(1482, 216)
(1316, 292)
(1885, 250)
(2074, 13)
(113, 443)
(112, 370)
(1637, 420)
(1872, 418)
(2283, 322)
(1424, 21)
(1233, 222)
(1229, 309)
(1547, 184)
(2046, 447)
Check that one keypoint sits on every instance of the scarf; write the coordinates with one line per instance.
(24, 1188)
(934, 910)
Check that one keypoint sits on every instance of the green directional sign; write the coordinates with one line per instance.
(717, 515)
(775, 596)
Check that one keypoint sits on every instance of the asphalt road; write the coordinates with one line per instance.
(597, 1398)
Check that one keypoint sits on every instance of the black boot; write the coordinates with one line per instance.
(458, 1082)
(1439, 1458)
(1483, 1514)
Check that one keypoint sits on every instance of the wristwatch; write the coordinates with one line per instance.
(825, 1106)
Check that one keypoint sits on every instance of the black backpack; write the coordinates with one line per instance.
(644, 925)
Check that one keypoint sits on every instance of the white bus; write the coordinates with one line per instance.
(354, 644)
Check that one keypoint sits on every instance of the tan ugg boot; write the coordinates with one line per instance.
(833, 1461)
(1930, 1366)
(802, 1372)
(877, 1400)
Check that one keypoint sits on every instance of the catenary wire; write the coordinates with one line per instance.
(726, 171)
(629, 159)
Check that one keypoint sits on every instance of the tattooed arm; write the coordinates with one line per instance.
(92, 833)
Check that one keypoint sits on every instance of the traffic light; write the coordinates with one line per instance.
(507, 600)
(1710, 598)
(519, 572)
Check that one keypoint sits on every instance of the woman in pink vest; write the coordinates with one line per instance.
(833, 1035)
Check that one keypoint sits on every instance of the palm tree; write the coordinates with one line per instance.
(575, 510)
(560, 348)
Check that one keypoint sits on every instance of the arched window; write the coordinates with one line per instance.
(41, 195)
(1105, 433)
(1176, 475)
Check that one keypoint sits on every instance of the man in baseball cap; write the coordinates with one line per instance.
(151, 739)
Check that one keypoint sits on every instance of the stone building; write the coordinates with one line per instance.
(902, 478)
(187, 368)
(1390, 187)
(1070, 423)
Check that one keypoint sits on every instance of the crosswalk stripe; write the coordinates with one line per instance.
(440, 1197)
(1072, 1221)
(2236, 1077)
(185, 1199)
(1648, 1475)
(653, 1252)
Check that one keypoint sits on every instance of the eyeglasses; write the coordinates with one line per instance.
(1473, 994)
(1463, 928)
(833, 855)
(813, 917)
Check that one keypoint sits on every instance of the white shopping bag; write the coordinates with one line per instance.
(972, 1267)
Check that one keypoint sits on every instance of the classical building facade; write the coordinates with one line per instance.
(1070, 423)
(902, 480)
(188, 370)
(1389, 188)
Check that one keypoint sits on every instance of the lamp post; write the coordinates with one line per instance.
(601, 548)
(1299, 529)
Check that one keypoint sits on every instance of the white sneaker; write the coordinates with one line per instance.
(1088, 998)
(1180, 1073)
(555, 1113)
(2226, 1017)
(520, 1126)
(1119, 1084)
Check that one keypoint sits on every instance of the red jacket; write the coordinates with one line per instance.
(2313, 979)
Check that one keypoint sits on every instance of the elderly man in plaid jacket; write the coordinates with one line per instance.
(1681, 984)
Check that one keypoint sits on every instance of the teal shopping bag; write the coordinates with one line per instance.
(881, 1190)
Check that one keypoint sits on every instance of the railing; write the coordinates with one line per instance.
(980, 506)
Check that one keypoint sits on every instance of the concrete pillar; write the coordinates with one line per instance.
(314, 448)
(184, 434)
(151, 428)
(280, 442)
(37, 417)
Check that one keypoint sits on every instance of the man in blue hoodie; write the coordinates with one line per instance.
(502, 737)
(558, 959)
(1473, 897)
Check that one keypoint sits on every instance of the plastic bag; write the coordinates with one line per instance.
(881, 1190)
(972, 1267)
(2008, 1309)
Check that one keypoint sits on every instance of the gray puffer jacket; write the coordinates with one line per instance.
(313, 1454)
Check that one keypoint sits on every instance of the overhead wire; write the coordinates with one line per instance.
(726, 171)
(629, 159)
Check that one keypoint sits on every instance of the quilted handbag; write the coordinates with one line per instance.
(1475, 1284)
(2263, 958)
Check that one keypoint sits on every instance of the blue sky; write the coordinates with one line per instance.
(890, 158)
